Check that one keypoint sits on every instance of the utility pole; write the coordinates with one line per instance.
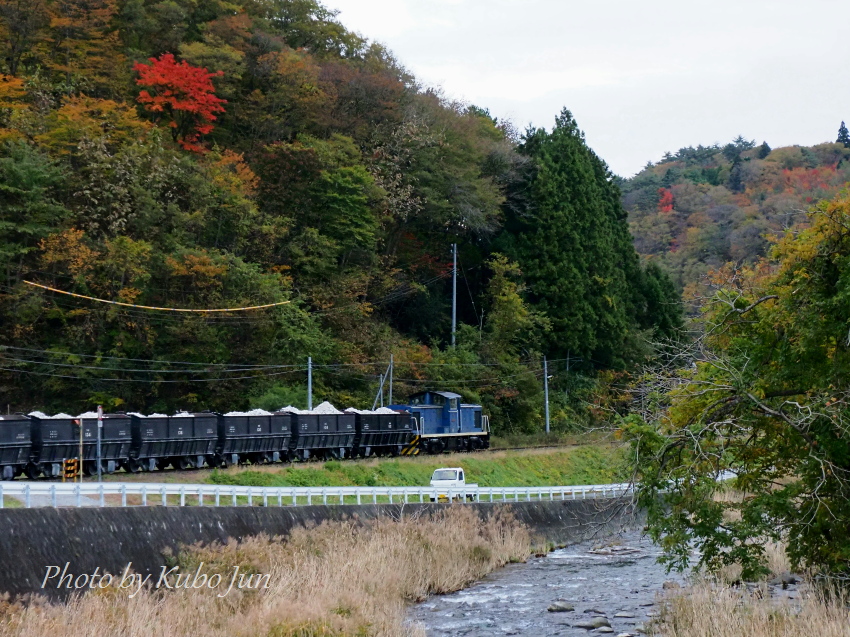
(80, 467)
(379, 395)
(99, 436)
(309, 383)
(546, 390)
(454, 292)
(392, 369)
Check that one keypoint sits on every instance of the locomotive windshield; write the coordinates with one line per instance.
(445, 474)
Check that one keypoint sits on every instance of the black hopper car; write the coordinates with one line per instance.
(36, 444)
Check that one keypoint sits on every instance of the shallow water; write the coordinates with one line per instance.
(603, 577)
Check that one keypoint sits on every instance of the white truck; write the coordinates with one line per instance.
(450, 483)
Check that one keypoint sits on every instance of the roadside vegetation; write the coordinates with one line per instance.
(336, 579)
(580, 465)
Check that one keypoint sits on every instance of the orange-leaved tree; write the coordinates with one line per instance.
(183, 93)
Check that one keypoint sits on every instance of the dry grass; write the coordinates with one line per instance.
(335, 579)
(710, 610)
(713, 607)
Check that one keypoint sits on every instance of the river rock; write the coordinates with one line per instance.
(595, 611)
(670, 585)
(784, 579)
(604, 629)
(596, 622)
(561, 607)
(624, 614)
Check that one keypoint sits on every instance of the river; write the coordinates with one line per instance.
(617, 579)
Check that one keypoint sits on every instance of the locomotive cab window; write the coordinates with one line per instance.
(453, 403)
(439, 400)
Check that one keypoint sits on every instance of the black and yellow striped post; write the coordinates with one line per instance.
(70, 469)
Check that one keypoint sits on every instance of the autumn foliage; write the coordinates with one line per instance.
(183, 93)
(665, 200)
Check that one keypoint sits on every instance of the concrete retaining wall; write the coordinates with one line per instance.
(109, 538)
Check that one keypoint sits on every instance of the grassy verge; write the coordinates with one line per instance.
(333, 580)
(574, 466)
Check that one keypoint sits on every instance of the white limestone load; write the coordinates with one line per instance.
(292, 410)
(253, 412)
(42, 415)
(325, 408)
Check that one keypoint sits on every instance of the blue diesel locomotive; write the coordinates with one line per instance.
(443, 423)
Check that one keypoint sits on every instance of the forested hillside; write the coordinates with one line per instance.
(204, 154)
(700, 208)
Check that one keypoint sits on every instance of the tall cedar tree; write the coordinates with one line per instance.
(843, 136)
(573, 246)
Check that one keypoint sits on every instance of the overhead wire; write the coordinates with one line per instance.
(146, 380)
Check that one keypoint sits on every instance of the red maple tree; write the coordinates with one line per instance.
(183, 93)
(665, 200)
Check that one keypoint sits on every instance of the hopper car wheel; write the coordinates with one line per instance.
(184, 463)
(90, 468)
(133, 466)
(32, 471)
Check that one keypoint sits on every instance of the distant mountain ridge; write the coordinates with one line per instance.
(702, 207)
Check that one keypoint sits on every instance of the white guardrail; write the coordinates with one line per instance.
(38, 494)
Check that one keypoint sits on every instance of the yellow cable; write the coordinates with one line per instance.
(149, 307)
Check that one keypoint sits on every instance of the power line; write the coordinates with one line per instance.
(142, 380)
(140, 360)
(151, 307)
(146, 371)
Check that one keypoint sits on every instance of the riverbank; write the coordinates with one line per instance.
(339, 578)
(780, 604)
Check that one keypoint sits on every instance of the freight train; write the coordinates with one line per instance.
(36, 445)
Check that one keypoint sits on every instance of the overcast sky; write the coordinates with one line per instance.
(641, 77)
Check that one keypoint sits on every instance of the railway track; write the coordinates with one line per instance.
(141, 477)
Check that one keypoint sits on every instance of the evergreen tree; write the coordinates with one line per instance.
(574, 248)
(764, 150)
(736, 183)
(843, 136)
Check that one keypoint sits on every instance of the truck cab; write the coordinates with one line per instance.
(450, 484)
